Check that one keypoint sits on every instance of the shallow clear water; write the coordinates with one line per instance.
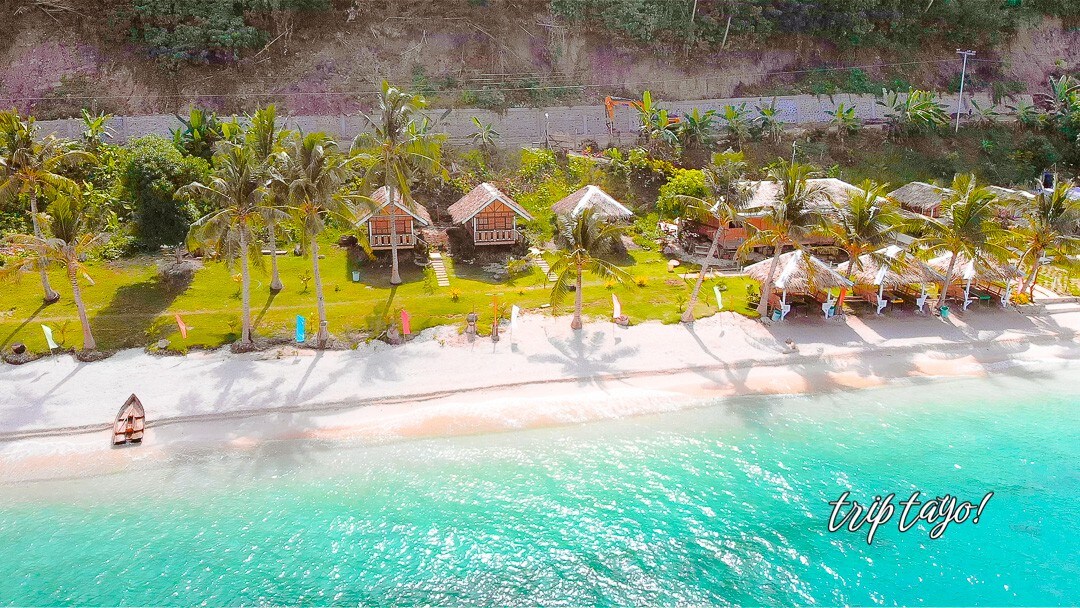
(725, 504)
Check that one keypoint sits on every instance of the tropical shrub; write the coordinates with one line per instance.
(685, 182)
(153, 171)
(207, 30)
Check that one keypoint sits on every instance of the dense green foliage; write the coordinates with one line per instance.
(852, 23)
(153, 172)
(207, 30)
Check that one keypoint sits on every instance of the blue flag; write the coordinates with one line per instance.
(300, 335)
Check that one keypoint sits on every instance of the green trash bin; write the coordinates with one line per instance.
(944, 310)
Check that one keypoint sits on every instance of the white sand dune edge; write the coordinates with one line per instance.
(54, 412)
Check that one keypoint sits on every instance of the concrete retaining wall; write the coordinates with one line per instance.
(525, 126)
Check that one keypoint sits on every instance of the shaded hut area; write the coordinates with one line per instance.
(889, 278)
(802, 286)
(984, 281)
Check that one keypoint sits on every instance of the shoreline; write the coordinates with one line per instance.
(55, 415)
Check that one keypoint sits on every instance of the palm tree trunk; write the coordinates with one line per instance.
(1028, 286)
(88, 337)
(1034, 282)
(688, 314)
(766, 289)
(50, 294)
(324, 334)
(275, 278)
(576, 322)
(245, 290)
(395, 276)
(948, 281)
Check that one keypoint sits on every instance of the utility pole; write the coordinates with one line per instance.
(963, 74)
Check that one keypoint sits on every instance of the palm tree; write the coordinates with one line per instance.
(70, 241)
(1046, 232)
(966, 227)
(728, 195)
(769, 124)
(95, 129)
(32, 168)
(236, 192)
(583, 240)
(736, 123)
(914, 111)
(404, 146)
(485, 135)
(864, 223)
(844, 120)
(789, 220)
(314, 173)
(696, 129)
(265, 140)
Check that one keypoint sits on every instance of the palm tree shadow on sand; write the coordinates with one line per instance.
(585, 355)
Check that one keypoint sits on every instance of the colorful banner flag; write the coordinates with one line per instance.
(406, 326)
(182, 326)
(719, 298)
(514, 312)
(616, 307)
(48, 337)
(300, 327)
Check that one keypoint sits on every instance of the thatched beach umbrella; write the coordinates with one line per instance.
(977, 270)
(801, 273)
(890, 267)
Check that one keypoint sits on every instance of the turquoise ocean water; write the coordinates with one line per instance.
(723, 504)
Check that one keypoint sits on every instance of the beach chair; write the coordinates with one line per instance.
(880, 304)
(920, 303)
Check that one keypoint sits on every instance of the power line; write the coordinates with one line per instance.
(640, 83)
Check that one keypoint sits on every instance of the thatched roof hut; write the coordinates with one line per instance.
(890, 267)
(766, 193)
(1008, 195)
(968, 270)
(920, 197)
(799, 272)
(603, 205)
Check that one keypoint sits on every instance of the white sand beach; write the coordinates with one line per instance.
(55, 412)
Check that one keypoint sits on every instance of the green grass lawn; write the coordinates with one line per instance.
(129, 307)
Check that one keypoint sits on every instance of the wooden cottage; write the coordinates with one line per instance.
(489, 216)
(921, 198)
(409, 221)
(697, 236)
(603, 205)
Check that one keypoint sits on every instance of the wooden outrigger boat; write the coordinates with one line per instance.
(130, 422)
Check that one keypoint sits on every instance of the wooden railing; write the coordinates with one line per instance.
(495, 236)
(382, 241)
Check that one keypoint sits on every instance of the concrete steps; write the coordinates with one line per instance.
(542, 264)
(437, 264)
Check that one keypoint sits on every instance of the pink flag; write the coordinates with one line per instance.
(616, 307)
(406, 327)
(181, 325)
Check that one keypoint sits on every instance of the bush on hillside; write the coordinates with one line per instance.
(153, 171)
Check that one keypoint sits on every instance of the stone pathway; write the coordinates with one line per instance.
(437, 265)
(542, 264)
